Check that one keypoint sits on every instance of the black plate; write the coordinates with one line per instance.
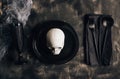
(39, 44)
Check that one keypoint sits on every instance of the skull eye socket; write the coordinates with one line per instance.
(59, 47)
(53, 48)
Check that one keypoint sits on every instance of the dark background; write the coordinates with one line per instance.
(72, 12)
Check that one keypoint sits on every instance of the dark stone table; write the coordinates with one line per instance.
(72, 12)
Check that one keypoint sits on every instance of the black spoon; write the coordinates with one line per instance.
(92, 28)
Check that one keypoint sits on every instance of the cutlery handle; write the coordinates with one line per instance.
(18, 28)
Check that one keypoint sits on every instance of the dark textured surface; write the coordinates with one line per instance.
(71, 11)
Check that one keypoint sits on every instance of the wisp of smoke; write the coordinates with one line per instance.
(15, 10)
(20, 10)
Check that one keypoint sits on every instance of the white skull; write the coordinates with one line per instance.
(55, 40)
